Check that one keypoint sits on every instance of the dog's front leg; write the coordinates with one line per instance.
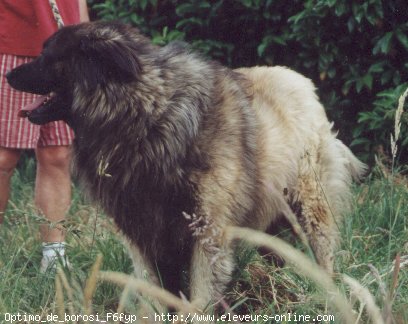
(211, 268)
(143, 269)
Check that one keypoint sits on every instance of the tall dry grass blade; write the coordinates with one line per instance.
(381, 284)
(397, 124)
(398, 113)
(301, 264)
(385, 296)
(122, 301)
(68, 289)
(90, 285)
(366, 298)
(163, 296)
(59, 297)
(403, 262)
(388, 311)
(360, 313)
(397, 268)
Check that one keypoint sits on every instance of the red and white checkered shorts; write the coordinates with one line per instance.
(17, 132)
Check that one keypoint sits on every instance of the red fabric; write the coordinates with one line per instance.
(17, 132)
(26, 24)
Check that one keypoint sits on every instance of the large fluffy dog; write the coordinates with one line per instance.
(175, 148)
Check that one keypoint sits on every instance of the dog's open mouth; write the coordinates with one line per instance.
(44, 109)
(37, 104)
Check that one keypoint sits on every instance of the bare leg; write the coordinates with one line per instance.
(8, 161)
(53, 189)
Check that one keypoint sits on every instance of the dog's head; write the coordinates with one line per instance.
(88, 56)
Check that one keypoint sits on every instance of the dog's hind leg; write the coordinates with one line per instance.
(323, 193)
(311, 205)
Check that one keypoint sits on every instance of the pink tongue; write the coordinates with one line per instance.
(24, 112)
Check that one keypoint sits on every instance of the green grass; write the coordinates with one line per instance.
(372, 236)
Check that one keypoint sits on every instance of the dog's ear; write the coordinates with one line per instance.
(113, 59)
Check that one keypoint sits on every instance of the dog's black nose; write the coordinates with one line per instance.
(9, 77)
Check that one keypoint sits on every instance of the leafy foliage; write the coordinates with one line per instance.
(353, 50)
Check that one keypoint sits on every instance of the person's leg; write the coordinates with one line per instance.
(15, 133)
(53, 198)
(53, 189)
(8, 161)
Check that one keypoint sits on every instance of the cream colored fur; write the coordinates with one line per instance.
(301, 155)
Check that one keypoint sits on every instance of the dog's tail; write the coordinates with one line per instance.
(356, 168)
(339, 168)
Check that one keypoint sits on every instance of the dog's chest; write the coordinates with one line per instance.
(151, 218)
(157, 226)
(148, 211)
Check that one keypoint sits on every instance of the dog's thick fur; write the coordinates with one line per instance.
(175, 148)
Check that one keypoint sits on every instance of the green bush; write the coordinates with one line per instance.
(353, 50)
(356, 48)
